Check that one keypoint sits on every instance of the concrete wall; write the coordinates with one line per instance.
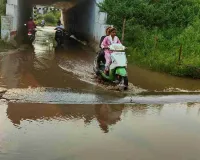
(85, 21)
(19, 10)
(9, 31)
(12, 10)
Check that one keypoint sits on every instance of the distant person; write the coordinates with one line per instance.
(59, 26)
(31, 25)
(59, 35)
(43, 22)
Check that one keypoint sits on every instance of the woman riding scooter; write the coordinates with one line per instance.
(114, 70)
(109, 40)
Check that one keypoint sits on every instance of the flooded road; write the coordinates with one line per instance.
(43, 66)
(155, 81)
(38, 67)
(53, 109)
(82, 132)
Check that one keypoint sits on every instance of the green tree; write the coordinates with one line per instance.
(50, 18)
(155, 30)
(119, 12)
(2, 8)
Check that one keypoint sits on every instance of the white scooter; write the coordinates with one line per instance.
(117, 72)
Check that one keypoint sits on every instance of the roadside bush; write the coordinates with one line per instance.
(50, 18)
(4, 46)
(2, 9)
(156, 30)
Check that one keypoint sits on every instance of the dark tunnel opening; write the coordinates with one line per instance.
(81, 18)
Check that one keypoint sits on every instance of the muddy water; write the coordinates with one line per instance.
(39, 67)
(43, 66)
(120, 132)
(155, 81)
(73, 131)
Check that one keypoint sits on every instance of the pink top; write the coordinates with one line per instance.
(31, 25)
(109, 41)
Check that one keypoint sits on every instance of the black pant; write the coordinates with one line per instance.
(59, 35)
(101, 57)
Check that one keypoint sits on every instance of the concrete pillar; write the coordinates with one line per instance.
(18, 12)
(6, 27)
(12, 17)
(12, 9)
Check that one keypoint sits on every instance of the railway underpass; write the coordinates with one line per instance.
(81, 18)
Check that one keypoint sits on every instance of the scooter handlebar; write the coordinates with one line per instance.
(115, 50)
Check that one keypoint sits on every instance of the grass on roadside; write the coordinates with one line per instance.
(163, 62)
(5, 46)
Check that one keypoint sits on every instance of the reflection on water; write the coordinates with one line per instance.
(148, 132)
(106, 115)
(44, 50)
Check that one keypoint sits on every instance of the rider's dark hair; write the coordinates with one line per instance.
(59, 22)
(112, 29)
(108, 29)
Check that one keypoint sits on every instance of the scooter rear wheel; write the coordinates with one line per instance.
(95, 67)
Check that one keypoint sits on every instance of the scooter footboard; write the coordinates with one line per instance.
(121, 71)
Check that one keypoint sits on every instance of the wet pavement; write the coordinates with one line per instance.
(69, 96)
(52, 108)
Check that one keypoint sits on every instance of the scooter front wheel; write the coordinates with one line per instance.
(123, 85)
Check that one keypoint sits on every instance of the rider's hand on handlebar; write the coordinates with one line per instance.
(106, 48)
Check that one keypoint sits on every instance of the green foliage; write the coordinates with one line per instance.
(4, 46)
(50, 18)
(2, 8)
(155, 30)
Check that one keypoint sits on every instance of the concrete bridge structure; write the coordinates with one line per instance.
(80, 17)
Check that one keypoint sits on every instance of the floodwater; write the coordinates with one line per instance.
(155, 81)
(44, 66)
(82, 132)
(53, 109)
(38, 67)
